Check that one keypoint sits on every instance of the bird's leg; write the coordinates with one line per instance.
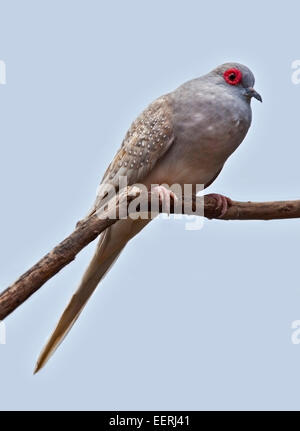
(164, 195)
(223, 203)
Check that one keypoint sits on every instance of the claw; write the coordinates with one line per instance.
(223, 203)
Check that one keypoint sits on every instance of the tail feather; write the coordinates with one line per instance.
(110, 245)
(96, 270)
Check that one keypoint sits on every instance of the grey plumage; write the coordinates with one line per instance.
(183, 137)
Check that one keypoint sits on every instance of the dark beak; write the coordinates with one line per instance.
(250, 92)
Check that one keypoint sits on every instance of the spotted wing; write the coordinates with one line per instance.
(147, 140)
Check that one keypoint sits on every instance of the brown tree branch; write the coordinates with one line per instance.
(90, 228)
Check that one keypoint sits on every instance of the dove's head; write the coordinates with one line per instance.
(238, 79)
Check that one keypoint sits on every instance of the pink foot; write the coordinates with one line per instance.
(223, 203)
(165, 196)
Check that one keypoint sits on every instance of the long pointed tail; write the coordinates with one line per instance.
(102, 260)
(110, 245)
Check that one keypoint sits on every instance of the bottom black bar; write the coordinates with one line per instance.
(149, 420)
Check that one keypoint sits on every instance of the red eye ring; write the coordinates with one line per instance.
(233, 76)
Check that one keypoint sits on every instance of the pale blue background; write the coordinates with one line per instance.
(185, 320)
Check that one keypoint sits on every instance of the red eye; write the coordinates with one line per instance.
(233, 76)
